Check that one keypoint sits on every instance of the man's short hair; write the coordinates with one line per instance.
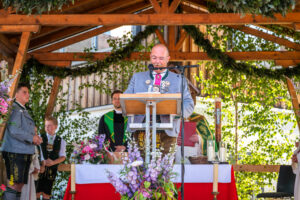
(53, 119)
(21, 85)
(116, 92)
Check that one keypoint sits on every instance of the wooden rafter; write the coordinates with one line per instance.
(287, 63)
(269, 37)
(174, 6)
(252, 31)
(64, 33)
(53, 95)
(127, 7)
(7, 47)
(171, 37)
(155, 6)
(297, 26)
(56, 63)
(179, 44)
(175, 56)
(19, 61)
(160, 37)
(18, 65)
(149, 19)
(76, 39)
(19, 28)
(294, 99)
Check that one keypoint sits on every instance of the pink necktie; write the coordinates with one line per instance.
(157, 79)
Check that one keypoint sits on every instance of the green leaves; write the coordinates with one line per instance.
(35, 6)
(264, 134)
(147, 184)
(262, 7)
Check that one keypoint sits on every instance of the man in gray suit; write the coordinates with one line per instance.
(164, 81)
(18, 146)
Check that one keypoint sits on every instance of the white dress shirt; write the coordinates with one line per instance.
(62, 151)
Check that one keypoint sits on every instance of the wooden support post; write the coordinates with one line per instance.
(155, 6)
(160, 37)
(174, 6)
(294, 99)
(171, 37)
(20, 59)
(53, 96)
(295, 102)
(19, 62)
(179, 44)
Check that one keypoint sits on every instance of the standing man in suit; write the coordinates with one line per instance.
(19, 144)
(163, 81)
(113, 125)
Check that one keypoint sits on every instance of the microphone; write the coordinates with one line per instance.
(150, 67)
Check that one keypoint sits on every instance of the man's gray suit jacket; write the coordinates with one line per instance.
(19, 132)
(138, 85)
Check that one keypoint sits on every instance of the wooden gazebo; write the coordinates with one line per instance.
(38, 36)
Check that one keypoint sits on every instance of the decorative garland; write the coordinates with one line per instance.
(199, 39)
(39, 6)
(281, 30)
(229, 63)
(266, 8)
(90, 68)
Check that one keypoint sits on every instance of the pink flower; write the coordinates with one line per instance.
(3, 106)
(3, 187)
(86, 149)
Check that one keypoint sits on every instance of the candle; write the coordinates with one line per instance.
(215, 178)
(211, 153)
(73, 177)
(222, 154)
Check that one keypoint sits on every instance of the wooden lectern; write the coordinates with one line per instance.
(147, 104)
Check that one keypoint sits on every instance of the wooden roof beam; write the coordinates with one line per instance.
(53, 96)
(287, 63)
(252, 31)
(75, 30)
(19, 28)
(7, 45)
(269, 37)
(160, 37)
(146, 19)
(108, 8)
(19, 61)
(155, 6)
(297, 26)
(175, 56)
(76, 39)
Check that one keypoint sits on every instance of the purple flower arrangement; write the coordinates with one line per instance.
(91, 151)
(4, 88)
(138, 180)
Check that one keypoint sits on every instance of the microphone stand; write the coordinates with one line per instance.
(182, 70)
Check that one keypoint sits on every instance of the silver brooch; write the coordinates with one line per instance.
(147, 82)
(155, 89)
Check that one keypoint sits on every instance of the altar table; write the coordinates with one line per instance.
(92, 182)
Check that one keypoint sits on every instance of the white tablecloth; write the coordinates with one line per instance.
(89, 173)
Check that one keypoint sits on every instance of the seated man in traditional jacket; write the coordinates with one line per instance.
(53, 152)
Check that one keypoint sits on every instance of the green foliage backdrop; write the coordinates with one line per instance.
(263, 136)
